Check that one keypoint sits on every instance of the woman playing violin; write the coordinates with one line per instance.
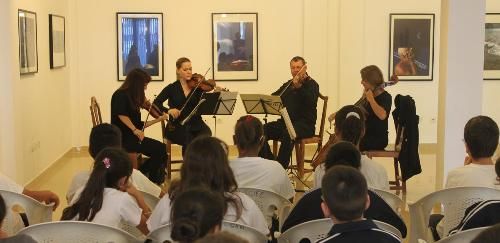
(183, 95)
(125, 113)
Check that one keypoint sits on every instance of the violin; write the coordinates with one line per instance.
(197, 80)
(153, 110)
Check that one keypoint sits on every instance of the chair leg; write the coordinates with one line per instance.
(134, 159)
(275, 148)
(299, 152)
(169, 162)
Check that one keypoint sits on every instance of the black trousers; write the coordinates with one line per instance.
(183, 135)
(276, 130)
(154, 166)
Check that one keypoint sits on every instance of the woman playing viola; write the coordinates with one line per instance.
(125, 113)
(183, 95)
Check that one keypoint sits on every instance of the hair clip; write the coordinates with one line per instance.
(352, 113)
(107, 162)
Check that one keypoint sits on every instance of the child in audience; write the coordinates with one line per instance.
(47, 197)
(350, 127)
(102, 136)
(222, 237)
(345, 198)
(489, 235)
(108, 197)
(481, 141)
(308, 207)
(4, 238)
(252, 171)
(206, 164)
(196, 212)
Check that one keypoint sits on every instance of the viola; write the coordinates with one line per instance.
(197, 80)
(153, 110)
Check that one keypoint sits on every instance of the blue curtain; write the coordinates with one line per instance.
(141, 32)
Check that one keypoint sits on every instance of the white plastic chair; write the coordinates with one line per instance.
(16, 203)
(463, 236)
(454, 201)
(244, 231)
(151, 201)
(391, 199)
(270, 203)
(315, 230)
(77, 232)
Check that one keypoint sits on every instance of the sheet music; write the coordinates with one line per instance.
(227, 101)
(288, 123)
(261, 104)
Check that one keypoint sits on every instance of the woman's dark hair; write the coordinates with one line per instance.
(350, 123)
(372, 75)
(110, 165)
(248, 132)
(134, 87)
(180, 61)
(194, 213)
(206, 164)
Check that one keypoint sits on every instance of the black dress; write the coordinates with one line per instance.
(175, 132)
(376, 133)
(154, 167)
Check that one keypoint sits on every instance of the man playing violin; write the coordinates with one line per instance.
(300, 96)
(183, 95)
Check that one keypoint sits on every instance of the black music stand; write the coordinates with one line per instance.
(218, 103)
(262, 104)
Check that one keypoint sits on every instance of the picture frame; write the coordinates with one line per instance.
(140, 43)
(235, 46)
(492, 47)
(411, 46)
(28, 49)
(57, 41)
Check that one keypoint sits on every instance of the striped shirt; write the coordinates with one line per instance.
(480, 214)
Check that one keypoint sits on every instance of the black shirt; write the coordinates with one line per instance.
(121, 104)
(480, 214)
(376, 135)
(309, 208)
(176, 99)
(359, 232)
(301, 105)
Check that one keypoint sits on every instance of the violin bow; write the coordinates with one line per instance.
(191, 94)
(147, 116)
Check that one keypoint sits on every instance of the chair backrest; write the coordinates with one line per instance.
(389, 228)
(323, 116)
(161, 234)
(454, 200)
(464, 236)
(245, 232)
(270, 203)
(95, 111)
(313, 230)
(77, 232)
(151, 201)
(19, 204)
(391, 199)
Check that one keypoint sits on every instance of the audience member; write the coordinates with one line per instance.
(102, 136)
(108, 197)
(345, 198)
(308, 207)
(4, 238)
(47, 197)
(490, 235)
(206, 164)
(222, 237)
(252, 171)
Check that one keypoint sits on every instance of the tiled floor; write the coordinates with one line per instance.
(58, 177)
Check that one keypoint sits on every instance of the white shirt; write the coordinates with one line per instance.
(250, 214)
(8, 184)
(140, 181)
(116, 206)
(260, 173)
(375, 174)
(472, 175)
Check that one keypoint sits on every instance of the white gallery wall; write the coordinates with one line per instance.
(337, 38)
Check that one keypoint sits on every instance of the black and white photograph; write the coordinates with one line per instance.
(234, 46)
(57, 44)
(140, 44)
(412, 46)
(492, 47)
(28, 52)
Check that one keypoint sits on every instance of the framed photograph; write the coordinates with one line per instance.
(28, 51)
(411, 52)
(140, 43)
(234, 46)
(492, 47)
(57, 41)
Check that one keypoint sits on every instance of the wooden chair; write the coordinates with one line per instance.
(168, 143)
(95, 111)
(300, 144)
(398, 183)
